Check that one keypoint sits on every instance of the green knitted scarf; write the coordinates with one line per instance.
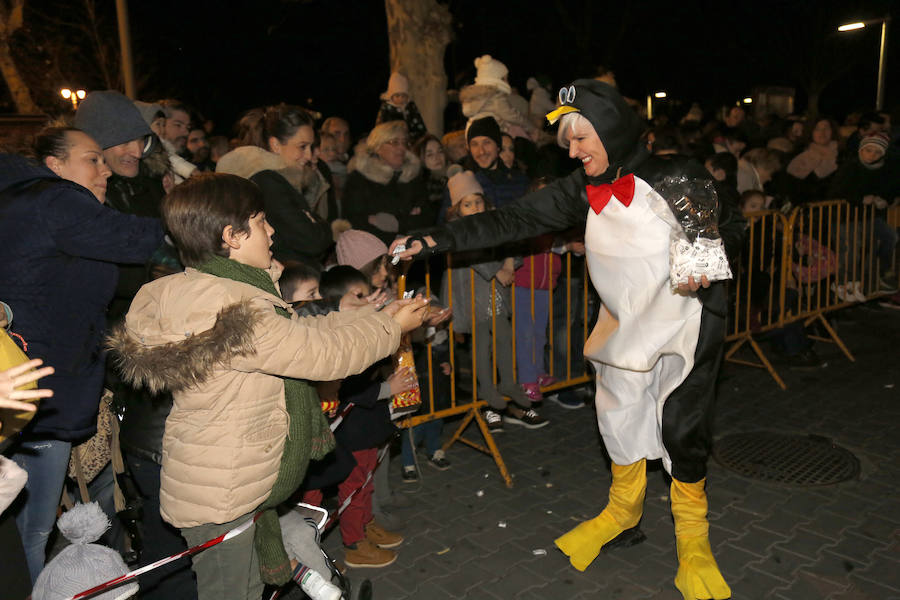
(308, 436)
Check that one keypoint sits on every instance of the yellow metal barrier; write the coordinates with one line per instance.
(470, 408)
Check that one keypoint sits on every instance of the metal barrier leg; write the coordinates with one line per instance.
(491, 448)
(835, 338)
(729, 356)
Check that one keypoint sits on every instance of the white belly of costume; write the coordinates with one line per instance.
(650, 351)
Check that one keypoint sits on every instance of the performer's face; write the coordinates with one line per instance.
(585, 145)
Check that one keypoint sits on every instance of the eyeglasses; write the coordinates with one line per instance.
(398, 142)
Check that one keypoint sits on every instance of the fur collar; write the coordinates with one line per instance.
(176, 366)
(375, 169)
(247, 161)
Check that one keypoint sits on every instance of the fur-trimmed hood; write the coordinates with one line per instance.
(375, 169)
(162, 360)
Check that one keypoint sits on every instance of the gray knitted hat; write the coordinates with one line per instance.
(110, 118)
(83, 565)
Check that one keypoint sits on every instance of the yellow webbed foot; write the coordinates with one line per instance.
(698, 575)
(583, 544)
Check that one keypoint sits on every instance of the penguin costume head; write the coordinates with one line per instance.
(615, 123)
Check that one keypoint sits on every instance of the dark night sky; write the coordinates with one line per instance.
(225, 57)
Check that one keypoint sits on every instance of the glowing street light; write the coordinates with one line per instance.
(882, 52)
(75, 96)
(748, 100)
(650, 98)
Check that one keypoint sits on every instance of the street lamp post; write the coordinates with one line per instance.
(650, 103)
(74, 96)
(882, 52)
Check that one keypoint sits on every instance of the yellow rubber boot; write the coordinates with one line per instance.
(698, 574)
(624, 510)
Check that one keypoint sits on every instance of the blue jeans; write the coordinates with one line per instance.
(46, 462)
(429, 432)
(531, 334)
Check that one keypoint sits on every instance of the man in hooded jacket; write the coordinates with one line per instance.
(656, 351)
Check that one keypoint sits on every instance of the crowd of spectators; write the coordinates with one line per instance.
(115, 204)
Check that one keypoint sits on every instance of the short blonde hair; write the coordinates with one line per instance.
(570, 121)
(384, 133)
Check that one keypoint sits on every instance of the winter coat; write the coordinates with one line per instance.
(220, 347)
(58, 274)
(459, 288)
(501, 186)
(368, 424)
(289, 195)
(373, 188)
(487, 101)
(536, 268)
(409, 114)
(853, 181)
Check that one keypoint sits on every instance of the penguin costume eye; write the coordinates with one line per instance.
(567, 95)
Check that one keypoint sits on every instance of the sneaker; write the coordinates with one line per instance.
(546, 379)
(410, 475)
(855, 289)
(438, 461)
(533, 391)
(494, 421)
(842, 292)
(527, 418)
(381, 537)
(366, 555)
(567, 400)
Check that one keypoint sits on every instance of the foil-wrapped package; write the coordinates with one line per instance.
(697, 249)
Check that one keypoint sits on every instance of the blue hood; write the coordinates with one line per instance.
(16, 169)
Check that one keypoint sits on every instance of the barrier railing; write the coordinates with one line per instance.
(565, 363)
(797, 268)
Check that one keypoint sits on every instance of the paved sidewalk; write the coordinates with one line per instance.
(468, 536)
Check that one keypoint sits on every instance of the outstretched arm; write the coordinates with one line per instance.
(556, 207)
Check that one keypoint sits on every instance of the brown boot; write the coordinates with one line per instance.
(381, 537)
(367, 555)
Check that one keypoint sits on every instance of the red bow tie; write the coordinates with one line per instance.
(622, 188)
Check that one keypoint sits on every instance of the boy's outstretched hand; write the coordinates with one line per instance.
(408, 313)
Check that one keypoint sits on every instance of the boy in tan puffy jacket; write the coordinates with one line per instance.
(243, 426)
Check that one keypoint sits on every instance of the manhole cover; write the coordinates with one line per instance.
(783, 458)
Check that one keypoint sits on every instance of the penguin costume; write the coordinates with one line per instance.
(656, 350)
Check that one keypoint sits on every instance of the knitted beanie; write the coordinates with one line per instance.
(83, 565)
(149, 111)
(878, 140)
(462, 184)
(485, 126)
(358, 248)
(397, 84)
(491, 72)
(110, 118)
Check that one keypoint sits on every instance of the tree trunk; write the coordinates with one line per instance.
(18, 89)
(419, 32)
(11, 18)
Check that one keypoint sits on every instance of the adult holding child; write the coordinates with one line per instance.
(58, 273)
(656, 349)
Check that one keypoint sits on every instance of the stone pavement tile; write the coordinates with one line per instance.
(853, 505)
(807, 585)
(566, 584)
(861, 589)
(802, 502)
(805, 543)
(855, 547)
(760, 500)
(782, 564)
(432, 591)
(510, 585)
(833, 568)
(882, 571)
(759, 541)
(654, 572)
(782, 522)
(892, 552)
(878, 528)
(385, 589)
(624, 588)
(754, 585)
(733, 560)
(890, 509)
(469, 577)
(829, 524)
